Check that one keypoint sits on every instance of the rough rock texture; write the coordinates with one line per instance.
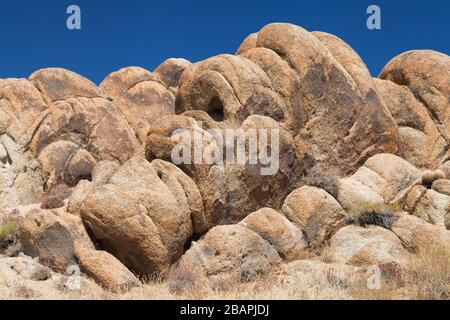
(366, 247)
(50, 236)
(418, 70)
(24, 278)
(248, 43)
(352, 194)
(141, 96)
(421, 142)
(388, 175)
(226, 253)
(170, 72)
(288, 74)
(229, 191)
(317, 72)
(106, 270)
(416, 233)
(315, 212)
(429, 205)
(64, 121)
(442, 186)
(445, 168)
(229, 88)
(273, 227)
(152, 207)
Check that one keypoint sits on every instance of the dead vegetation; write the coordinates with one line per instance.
(377, 214)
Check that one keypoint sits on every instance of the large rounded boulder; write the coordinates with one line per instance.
(153, 208)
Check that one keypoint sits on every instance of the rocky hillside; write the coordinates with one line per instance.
(87, 180)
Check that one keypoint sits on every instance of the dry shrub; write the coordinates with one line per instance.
(428, 177)
(54, 198)
(377, 214)
(322, 177)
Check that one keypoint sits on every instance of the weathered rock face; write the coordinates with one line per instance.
(79, 112)
(442, 186)
(283, 70)
(50, 236)
(315, 212)
(421, 141)
(106, 270)
(227, 253)
(273, 227)
(348, 58)
(416, 233)
(62, 120)
(153, 208)
(24, 278)
(418, 70)
(170, 72)
(229, 88)
(230, 191)
(369, 246)
(445, 168)
(248, 43)
(429, 205)
(314, 72)
(388, 175)
(353, 193)
(140, 95)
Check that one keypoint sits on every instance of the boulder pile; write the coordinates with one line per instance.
(88, 178)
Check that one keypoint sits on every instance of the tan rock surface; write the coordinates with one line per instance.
(227, 253)
(315, 212)
(273, 227)
(141, 96)
(106, 270)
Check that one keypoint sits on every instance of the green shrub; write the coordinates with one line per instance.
(9, 234)
(7, 229)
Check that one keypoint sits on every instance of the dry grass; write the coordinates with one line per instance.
(428, 273)
(426, 276)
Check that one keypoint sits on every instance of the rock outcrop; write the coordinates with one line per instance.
(284, 160)
(153, 208)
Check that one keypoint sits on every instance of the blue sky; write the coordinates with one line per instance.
(119, 33)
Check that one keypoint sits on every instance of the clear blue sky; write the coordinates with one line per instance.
(119, 33)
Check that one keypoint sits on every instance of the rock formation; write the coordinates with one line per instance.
(361, 178)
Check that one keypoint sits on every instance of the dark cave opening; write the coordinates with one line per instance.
(215, 109)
